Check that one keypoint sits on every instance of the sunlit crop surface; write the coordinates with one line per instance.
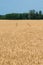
(21, 42)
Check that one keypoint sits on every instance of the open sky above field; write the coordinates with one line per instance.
(19, 6)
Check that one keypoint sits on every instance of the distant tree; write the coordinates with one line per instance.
(0, 16)
(40, 14)
(31, 14)
(36, 15)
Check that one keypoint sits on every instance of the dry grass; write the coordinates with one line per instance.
(21, 42)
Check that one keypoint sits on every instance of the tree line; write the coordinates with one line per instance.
(32, 14)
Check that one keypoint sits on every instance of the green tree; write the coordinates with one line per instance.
(40, 14)
(31, 14)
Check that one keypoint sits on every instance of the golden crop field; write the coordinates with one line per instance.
(21, 42)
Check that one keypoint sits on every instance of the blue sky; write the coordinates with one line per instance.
(19, 6)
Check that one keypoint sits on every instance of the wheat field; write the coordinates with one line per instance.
(21, 42)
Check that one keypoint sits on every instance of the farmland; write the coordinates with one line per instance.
(21, 42)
